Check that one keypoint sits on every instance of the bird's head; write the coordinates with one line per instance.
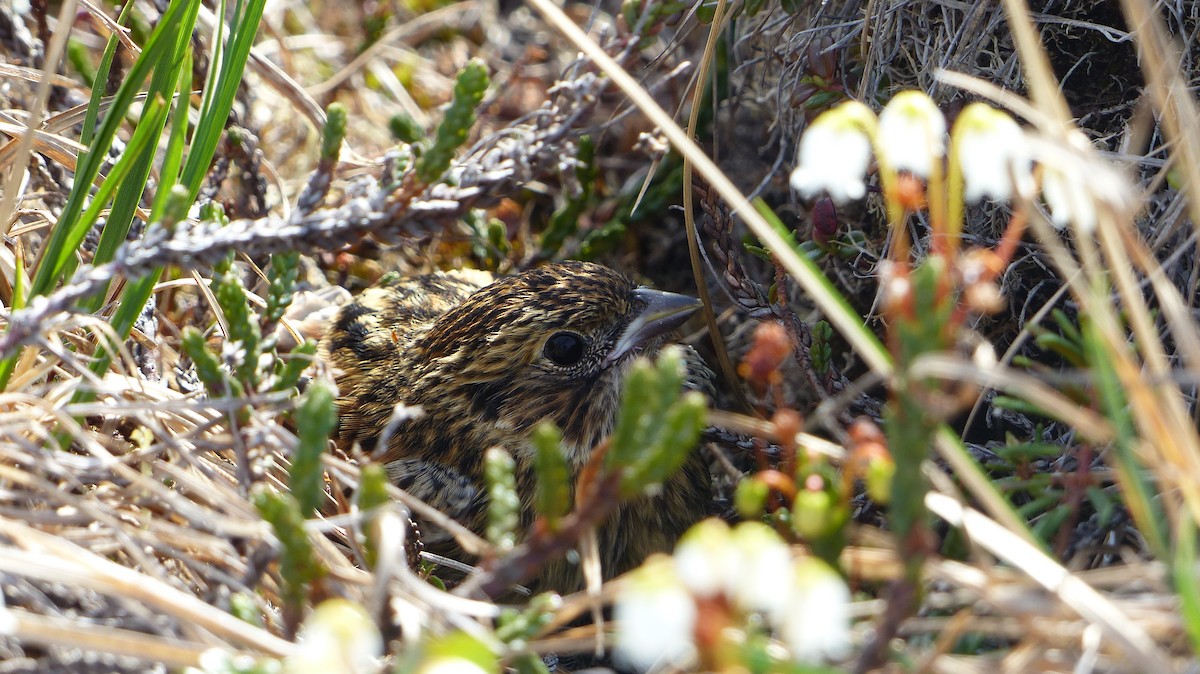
(554, 342)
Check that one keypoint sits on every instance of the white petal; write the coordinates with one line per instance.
(815, 624)
(764, 571)
(992, 150)
(655, 616)
(834, 154)
(338, 637)
(912, 133)
(1069, 200)
(8, 622)
(452, 666)
(705, 559)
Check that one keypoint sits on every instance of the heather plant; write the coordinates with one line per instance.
(951, 424)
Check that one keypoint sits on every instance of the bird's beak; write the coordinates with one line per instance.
(662, 312)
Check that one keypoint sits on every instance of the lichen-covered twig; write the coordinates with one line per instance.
(389, 210)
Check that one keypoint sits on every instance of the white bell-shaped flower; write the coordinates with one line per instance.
(706, 560)
(993, 152)
(912, 133)
(339, 637)
(655, 616)
(760, 582)
(835, 152)
(1069, 199)
(815, 622)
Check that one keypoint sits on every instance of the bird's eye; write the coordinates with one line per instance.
(564, 348)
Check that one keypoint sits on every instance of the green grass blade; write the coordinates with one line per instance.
(220, 93)
(1183, 569)
(158, 47)
(142, 142)
(130, 195)
(168, 175)
(102, 73)
(213, 116)
(162, 83)
(1136, 487)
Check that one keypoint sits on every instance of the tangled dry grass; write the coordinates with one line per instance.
(128, 537)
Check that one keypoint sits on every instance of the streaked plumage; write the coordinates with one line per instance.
(486, 360)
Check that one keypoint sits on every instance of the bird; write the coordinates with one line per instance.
(484, 359)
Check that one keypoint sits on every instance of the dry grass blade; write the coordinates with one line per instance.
(1171, 94)
(9, 70)
(60, 149)
(37, 554)
(75, 634)
(1043, 87)
(1176, 311)
(1094, 427)
(1048, 573)
(689, 217)
(8, 200)
(99, 15)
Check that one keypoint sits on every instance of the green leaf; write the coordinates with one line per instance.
(1183, 573)
(1136, 487)
(1028, 450)
(565, 221)
(637, 404)
(372, 494)
(219, 94)
(57, 259)
(243, 607)
(281, 285)
(175, 71)
(1103, 504)
(469, 88)
(457, 646)
(289, 369)
(405, 129)
(1046, 528)
(372, 487)
(160, 47)
(316, 417)
(208, 366)
(298, 566)
(220, 90)
(657, 426)
(750, 497)
(504, 504)
(676, 439)
(168, 174)
(242, 324)
(514, 626)
(333, 133)
(553, 478)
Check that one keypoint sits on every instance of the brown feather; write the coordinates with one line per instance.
(470, 351)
